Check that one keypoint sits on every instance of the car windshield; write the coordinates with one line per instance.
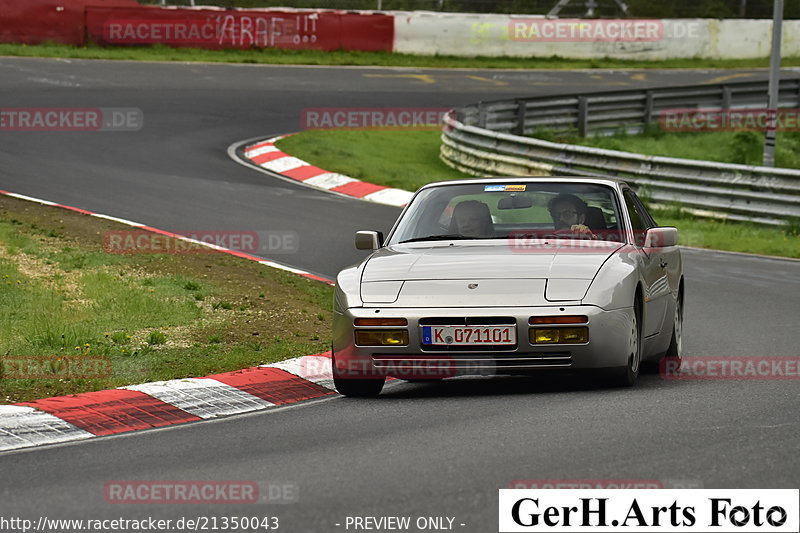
(511, 210)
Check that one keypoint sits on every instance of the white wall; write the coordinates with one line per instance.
(491, 35)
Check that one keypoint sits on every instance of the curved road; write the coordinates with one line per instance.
(418, 450)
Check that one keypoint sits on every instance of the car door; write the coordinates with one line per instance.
(653, 275)
(669, 260)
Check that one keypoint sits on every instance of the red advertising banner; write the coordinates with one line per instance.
(242, 29)
(36, 21)
(126, 23)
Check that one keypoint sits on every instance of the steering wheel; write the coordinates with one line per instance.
(555, 234)
(559, 233)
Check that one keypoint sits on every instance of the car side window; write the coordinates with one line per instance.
(640, 220)
(649, 220)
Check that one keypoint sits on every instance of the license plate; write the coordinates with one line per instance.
(468, 335)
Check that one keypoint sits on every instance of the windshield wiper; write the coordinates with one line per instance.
(451, 237)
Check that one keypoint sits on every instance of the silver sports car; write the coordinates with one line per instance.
(510, 276)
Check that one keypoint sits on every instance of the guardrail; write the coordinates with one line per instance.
(488, 138)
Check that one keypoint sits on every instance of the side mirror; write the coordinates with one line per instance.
(661, 237)
(369, 240)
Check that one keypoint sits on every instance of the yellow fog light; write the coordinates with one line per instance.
(381, 337)
(574, 335)
(544, 336)
(559, 336)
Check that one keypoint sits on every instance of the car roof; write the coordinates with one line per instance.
(529, 179)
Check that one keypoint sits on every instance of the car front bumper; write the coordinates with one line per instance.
(609, 344)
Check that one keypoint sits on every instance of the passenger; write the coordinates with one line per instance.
(471, 218)
(569, 213)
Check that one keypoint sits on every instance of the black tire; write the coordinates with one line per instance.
(354, 386)
(675, 348)
(627, 375)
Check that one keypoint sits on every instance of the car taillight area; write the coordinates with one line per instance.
(376, 334)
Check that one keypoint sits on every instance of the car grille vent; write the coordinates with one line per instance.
(481, 348)
(466, 361)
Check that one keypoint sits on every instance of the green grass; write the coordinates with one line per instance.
(62, 297)
(354, 153)
(313, 57)
(401, 159)
(157, 301)
(744, 147)
(732, 236)
(40, 317)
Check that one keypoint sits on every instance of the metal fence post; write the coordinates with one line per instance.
(727, 97)
(520, 128)
(648, 108)
(773, 91)
(797, 92)
(583, 115)
(481, 115)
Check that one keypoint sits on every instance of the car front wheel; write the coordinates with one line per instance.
(355, 386)
(627, 375)
(675, 349)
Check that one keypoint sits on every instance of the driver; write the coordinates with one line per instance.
(471, 218)
(569, 214)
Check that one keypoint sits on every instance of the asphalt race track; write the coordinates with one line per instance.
(419, 449)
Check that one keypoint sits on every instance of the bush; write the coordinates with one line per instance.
(746, 148)
(156, 337)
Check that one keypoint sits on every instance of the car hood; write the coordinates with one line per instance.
(487, 261)
(441, 275)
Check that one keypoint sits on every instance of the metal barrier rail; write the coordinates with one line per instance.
(487, 139)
